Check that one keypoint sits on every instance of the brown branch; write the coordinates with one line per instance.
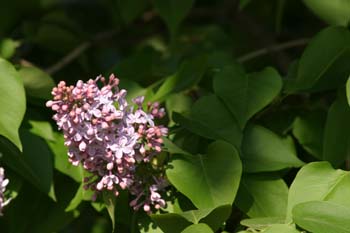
(272, 49)
(263, 37)
(76, 52)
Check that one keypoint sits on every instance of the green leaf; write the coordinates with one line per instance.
(213, 218)
(262, 223)
(37, 83)
(170, 223)
(80, 196)
(318, 181)
(38, 157)
(331, 68)
(42, 129)
(308, 129)
(172, 148)
(134, 90)
(188, 75)
(322, 217)
(195, 228)
(31, 207)
(131, 9)
(335, 12)
(173, 12)
(205, 179)
(263, 150)
(336, 142)
(204, 121)
(109, 200)
(61, 159)
(279, 228)
(8, 47)
(262, 196)
(179, 103)
(147, 225)
(12, 102)
(217, 217)
(35, 164)
(246, 94)
(348, 90)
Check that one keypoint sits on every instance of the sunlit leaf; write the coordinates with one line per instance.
(319, 181)
(204, 178)
(12, 102)
(322, 217)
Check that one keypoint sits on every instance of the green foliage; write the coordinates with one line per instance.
(262, 150)
(322, 217)
(203, 121)
(336, 137)
(204, 178)
(257, 102)
(309, 130)
(247, 94)
(332, 185)
(12, 102)
(173, 12)
(336, 12)
(262, 196)
(201, 227)
(330, 70)
(37, 83)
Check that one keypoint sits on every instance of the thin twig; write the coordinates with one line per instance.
(273, 48)
(71, 56)
(75, 53)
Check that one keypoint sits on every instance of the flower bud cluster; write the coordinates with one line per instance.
(3, 183)
(111, 139)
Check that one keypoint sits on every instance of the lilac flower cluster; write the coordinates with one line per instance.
(3, 183)
(111, 139)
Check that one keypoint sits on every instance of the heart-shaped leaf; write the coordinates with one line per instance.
(263, 150)
(246, 94)
(209, 180)
(210, 118)
(262, 196)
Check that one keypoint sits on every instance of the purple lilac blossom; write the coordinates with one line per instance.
(111, 139)
(3, 183)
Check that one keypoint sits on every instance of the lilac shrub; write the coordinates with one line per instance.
(3, 183)
(114, 141)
